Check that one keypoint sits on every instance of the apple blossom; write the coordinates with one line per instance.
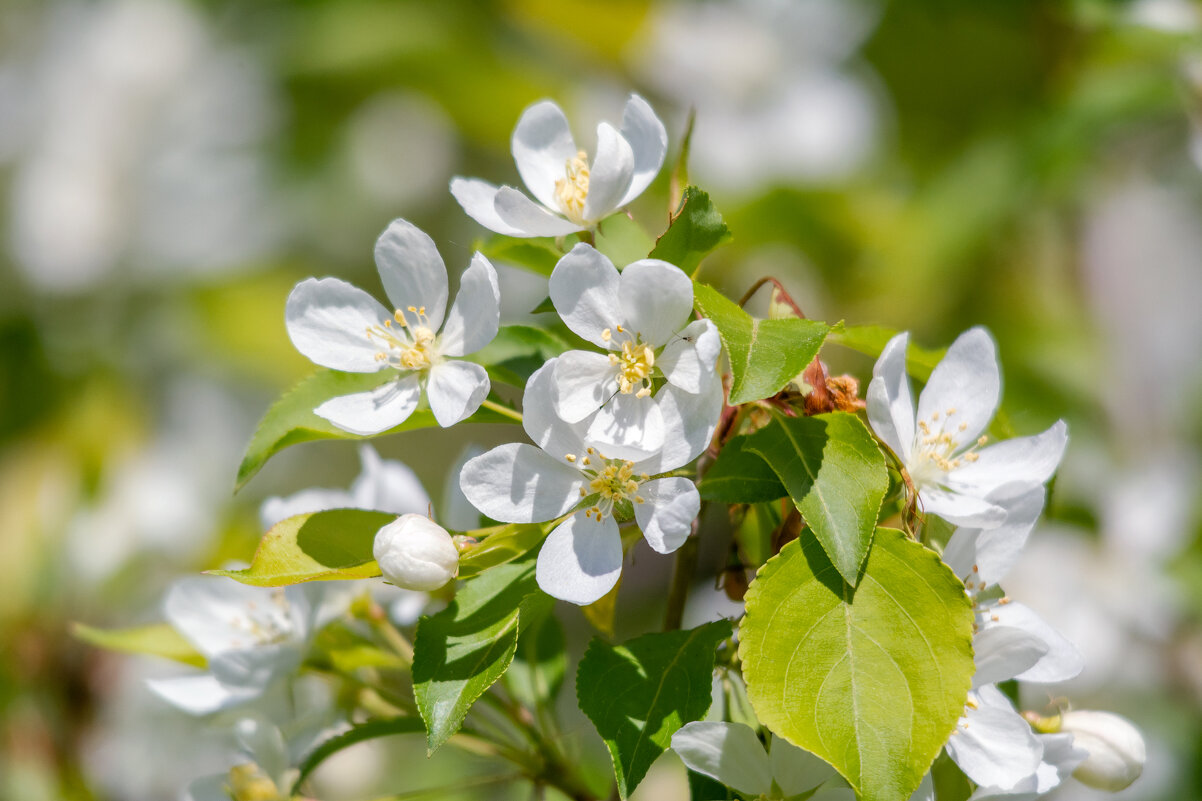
(572, 195)
(250, 637)
(942, 447)
(415, 553)
(641, 316)
(1116, 748)
(339, 326)
(582, 558)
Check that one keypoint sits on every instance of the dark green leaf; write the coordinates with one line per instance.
(461, 651)
(316, 546)
(836, 476)
(765, 355)
(740, 476)
(871, 679)
(695, 231)
(291, 421)
(638, 694)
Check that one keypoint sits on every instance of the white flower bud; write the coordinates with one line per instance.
(1116, 748)
(416, 553)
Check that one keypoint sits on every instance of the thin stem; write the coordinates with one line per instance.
(682, 578)
(505, 410)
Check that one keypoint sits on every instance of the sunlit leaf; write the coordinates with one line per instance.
(157, 639)
(696, 230)
(740, 476)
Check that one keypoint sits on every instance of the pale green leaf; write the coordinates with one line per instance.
(316, 546)
(501, 544)
(157, 639)
(622, 240)
(836, 476)
(536, 254)
(461, 651)
(696, 230)
(765, 355)
(638, 694)
(291, 421)
(871, 679)
(871, 340)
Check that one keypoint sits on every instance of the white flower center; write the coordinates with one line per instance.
(572, 190)
(635, 364)
(267, 624)
(938, 449)
(613, 480)
(407, 347)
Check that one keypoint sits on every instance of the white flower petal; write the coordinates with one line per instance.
(1060, 757)
(583, 381)
(528, 218)
(275, 509)
(1018, 461)
(478, 199)
(656, 298)
(542, 423)
(518, 483)
(258, 665)
(584, 288)
(609, 176)
(691, 355)
(797, 770)
(413, 272)
(581, 560)
(667, 513)
(386, 485)
(1060, 661)
(729, 753)
(992, 552)
(689, 423)
(200, 695)
(207, 610)
(374, 411)
(992, 744)
(475, 316)
(327, 321)
(648, 140)
(456, 389)
(890, 406)
(925, 791)
(628, 427)
(967, 380)
(542, 147)
(1002, 652)
(961, 509)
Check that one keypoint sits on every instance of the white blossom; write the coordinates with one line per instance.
(415, 553)
(641, 316)
(582, 558)
(337, 325)
(942, 447)
(732, 754)
(1116, 748)
(249, 636)
(572, 194)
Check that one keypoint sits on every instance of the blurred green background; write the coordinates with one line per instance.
(169, 169)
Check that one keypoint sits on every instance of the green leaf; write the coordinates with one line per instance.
(501, 544)
(871, 679)
(317, 546)
(765, 355)
(638, 694)
(357, 734)
(539, 665)
(695, 231)
(291, 421)
(740, 476)
(461, 651)
(836, 476)
(871, 340)
(517, 352)
(538, 255)
(622, 240)
(157, 639)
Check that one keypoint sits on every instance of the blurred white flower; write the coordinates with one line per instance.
(778, 95)
(340, 326)
(138, 143)
(1116, 748)
(572, 195)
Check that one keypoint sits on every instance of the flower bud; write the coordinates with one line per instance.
(416, 553)
(1116, 748)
